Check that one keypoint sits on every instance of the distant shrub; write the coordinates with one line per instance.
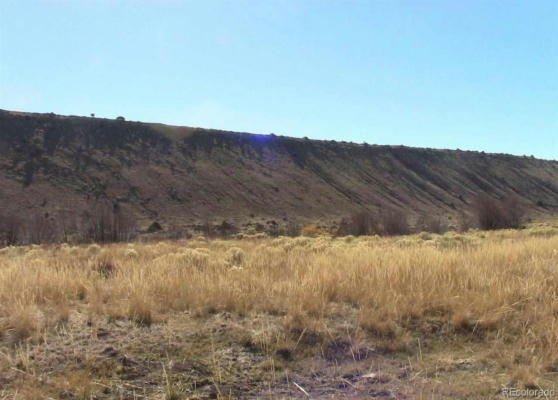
(208, 229)
(431, 224)
(235, 256)
(131, 253)
(40, 229)
(493, 213)
(154, 227)
(395, 223)
(464, 222)
(10, 230)
(272, 229)
(358, 224)
(93, 249)
(389, 222)
(489, 212)
(66, 226)
(106, 223)
(514, 211)
(226, 229)
(177, 231)
(364, 224)
(311, 231)
(293, 228)
(425, 235)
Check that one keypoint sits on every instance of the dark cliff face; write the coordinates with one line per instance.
(37, 143)
(174, 173)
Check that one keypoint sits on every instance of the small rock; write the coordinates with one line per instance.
(102, 333)
(127, 361)
(375, 378)
(350, 377)
(110, 352)
(464, 363)
(379, 393)
(343, 385)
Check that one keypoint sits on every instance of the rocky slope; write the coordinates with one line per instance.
(64, 164)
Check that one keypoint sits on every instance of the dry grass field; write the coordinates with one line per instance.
(424, 316)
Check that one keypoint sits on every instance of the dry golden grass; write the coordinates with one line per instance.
(500, 288)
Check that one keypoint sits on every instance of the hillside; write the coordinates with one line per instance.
(63, 164)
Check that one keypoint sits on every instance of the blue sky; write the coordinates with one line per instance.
(478, 75)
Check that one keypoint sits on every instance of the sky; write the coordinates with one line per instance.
(473, 75)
